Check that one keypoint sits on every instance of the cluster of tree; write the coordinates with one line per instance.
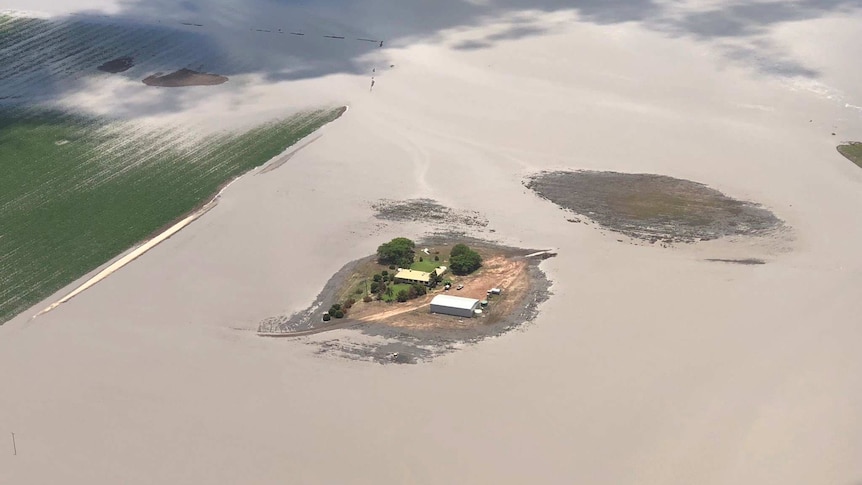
(416, 290)
(399, 251)
(463, 260)
(339, 310)
(380, 283)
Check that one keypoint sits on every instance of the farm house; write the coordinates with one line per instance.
(454, 305)
(413, 276)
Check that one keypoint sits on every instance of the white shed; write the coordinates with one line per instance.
(454, 305)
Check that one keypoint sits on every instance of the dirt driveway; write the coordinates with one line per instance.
(510, 275)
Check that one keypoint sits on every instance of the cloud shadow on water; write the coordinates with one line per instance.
(232, 38)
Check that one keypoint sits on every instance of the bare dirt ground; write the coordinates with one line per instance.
(184, 78)
(510, 275)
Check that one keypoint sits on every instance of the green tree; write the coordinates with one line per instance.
(459, 249)
(339, 314)
(435, 279)
(375, 287)
(402, 296)
(464, 260)
(398, 251)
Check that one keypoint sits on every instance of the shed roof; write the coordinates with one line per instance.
(455, 301)
(413, 275)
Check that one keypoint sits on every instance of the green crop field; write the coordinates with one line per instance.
(77, 191)
(853, 152)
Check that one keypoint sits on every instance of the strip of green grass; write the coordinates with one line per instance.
(75, 192)
(853, 152)
(395, 289)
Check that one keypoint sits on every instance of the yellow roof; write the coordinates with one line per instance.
(413, 275)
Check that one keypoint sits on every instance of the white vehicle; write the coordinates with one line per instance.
(459, 287)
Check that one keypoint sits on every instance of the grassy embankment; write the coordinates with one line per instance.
(76, 191)
(853, 152)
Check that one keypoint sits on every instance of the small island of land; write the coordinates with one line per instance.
(184, 78)
(653, 208)
(118, 65)
(440, 287)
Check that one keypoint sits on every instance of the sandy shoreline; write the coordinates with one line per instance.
(648, 364)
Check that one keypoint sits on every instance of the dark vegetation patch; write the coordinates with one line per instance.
(118, 65)
(426, 210)
(653, 207)
(853, 152)
(464, 260)
(399, 251)
(184, 78)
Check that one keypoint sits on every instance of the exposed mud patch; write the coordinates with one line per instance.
(653, 207)
(746, 261)
(118, 65)
(184, 78)
(308, 320)
(428, 211)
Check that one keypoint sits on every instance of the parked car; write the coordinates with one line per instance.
(459, 287)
